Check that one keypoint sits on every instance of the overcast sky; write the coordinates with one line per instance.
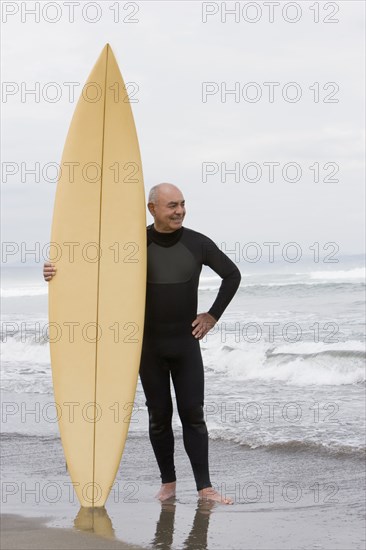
(168, 54)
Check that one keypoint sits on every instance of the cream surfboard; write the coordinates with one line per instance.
(97, 297)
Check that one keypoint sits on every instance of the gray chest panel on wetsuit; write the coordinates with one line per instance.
(174, 263)
(170, 265)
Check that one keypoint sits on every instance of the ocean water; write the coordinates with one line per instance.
(284, 406)
(284, 366)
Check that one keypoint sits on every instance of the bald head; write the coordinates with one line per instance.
(163, 190)
(167, 206)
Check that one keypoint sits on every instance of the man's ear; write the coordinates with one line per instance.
(151, 208)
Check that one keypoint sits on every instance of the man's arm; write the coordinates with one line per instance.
(230, 274)
(227, 270)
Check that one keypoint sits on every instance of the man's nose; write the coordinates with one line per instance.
(179, 209)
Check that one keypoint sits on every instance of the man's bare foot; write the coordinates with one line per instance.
(167, 490)
(209, 493)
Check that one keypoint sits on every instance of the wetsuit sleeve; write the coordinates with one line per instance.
(230, 274)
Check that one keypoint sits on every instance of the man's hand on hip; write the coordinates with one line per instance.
(202, 324)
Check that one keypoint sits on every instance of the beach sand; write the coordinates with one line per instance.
(283, 500)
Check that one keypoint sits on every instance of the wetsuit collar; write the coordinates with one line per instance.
(164, 239)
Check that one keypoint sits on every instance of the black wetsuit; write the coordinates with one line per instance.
(174, 263)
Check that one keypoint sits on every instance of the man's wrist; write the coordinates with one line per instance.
(213, 316)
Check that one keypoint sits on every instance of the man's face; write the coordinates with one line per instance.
(169, 210)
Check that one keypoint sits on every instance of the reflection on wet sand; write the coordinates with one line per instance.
(197, 537)
(97, 521)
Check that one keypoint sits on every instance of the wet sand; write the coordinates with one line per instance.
(282, 500)
(20, 533)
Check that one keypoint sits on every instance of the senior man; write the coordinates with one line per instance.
(172, 330)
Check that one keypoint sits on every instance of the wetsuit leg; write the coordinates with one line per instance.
(188, 379)
(180, 356)
(155, 379)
